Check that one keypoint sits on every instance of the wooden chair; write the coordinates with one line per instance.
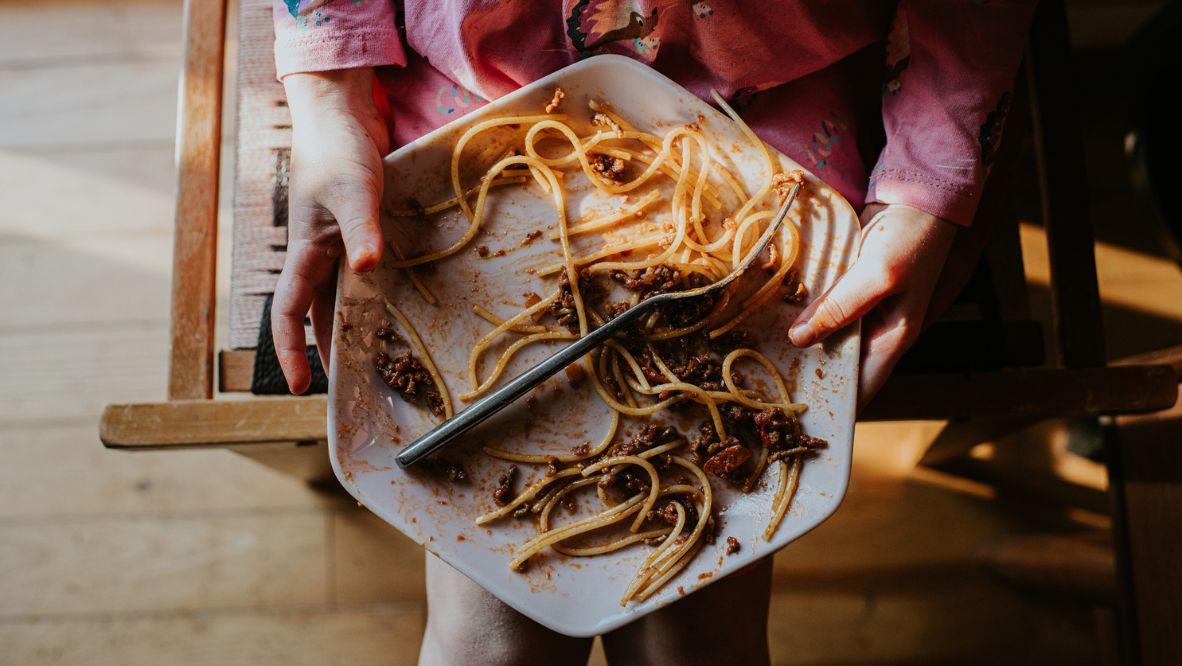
(289, 433)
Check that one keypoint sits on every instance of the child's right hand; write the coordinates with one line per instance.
(889, 287)
(338, 140)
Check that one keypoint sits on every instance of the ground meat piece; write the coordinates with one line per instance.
(662, 462)
(732, 545)
(613, 310)
(648, 366)
(650, 281)
(605, 121)
(607, 167)
(563, 309)
(531, 299)
(556, 100)
(736, 416)
(809, 442)
(708, 444)
(551, 466)
(629, 479)
(782, 183)
(725, 444)
(451, 471)
(482, 251)
(582, 449)
(387, 333)
(690, 360)
(635, 481)
(772, 260)
(650, 436)
(503, 493)
(531, 237)
(569, 502)
(575, 374)
(700, 445)
(727, 460)
(803, 444)
(777, 429)
(667, 513)
(686, 311)
(796, 293)
(407, 376)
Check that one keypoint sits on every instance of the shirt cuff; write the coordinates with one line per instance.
(950, 201)
(341, 50)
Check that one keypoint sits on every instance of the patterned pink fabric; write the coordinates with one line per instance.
(810, 77)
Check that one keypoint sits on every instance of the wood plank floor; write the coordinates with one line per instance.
(205, 557)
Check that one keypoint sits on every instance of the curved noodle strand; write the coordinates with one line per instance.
(538, 458)
(481, 200)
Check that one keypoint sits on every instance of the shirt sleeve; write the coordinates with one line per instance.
(323, 35)
(950, 71)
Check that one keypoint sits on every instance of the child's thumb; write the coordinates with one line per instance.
(854, 295)
(354, 204)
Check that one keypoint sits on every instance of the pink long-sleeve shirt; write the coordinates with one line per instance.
(887, 102)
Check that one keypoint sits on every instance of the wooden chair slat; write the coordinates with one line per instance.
(1063, 178)
(1150, 474)
(199, 136)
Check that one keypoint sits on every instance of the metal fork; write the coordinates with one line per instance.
(446, 432)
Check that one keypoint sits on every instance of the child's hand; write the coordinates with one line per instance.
(891, 282)
(338, 140)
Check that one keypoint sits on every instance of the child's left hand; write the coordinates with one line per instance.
(890, 285)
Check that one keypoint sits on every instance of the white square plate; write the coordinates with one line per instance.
(368, 425)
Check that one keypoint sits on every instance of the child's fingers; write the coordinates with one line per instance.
(854, 294)
(886, 335)
(307, 268)
(292, 298)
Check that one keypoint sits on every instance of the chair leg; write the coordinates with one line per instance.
(1145, 481)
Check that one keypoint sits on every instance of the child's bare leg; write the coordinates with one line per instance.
(467, 625)
(726, 623)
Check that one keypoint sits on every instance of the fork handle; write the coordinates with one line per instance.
(476, 413)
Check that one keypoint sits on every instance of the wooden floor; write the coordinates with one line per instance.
(208, 558)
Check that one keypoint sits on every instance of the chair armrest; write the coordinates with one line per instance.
(202, 423)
